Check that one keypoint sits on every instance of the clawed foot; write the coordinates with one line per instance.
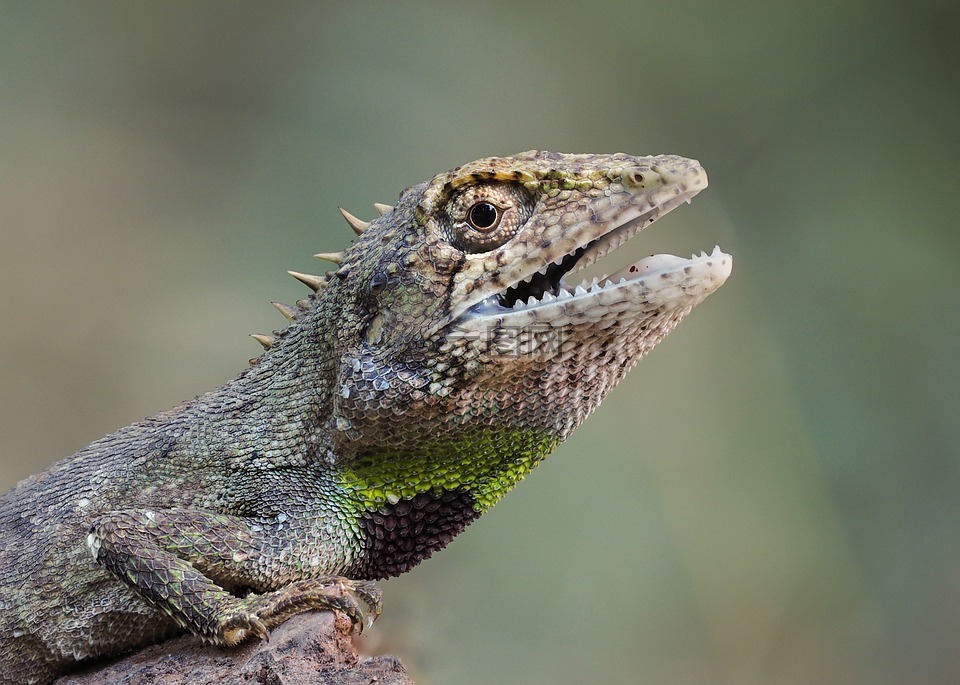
(370, 595)
(358, 600)
(240, 626)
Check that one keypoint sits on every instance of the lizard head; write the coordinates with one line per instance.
(465, 307)
(467, 351)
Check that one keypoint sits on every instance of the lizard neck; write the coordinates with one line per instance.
(410, 505)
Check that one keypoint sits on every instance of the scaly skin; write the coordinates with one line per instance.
(405, 398)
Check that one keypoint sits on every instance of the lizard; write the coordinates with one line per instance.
(441, 358)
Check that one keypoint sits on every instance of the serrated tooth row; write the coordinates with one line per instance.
(599, 284)
(591, 285)
(547, 297)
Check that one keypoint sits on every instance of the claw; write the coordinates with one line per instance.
(237, 628)
(257, 628)
(371, 595)
(360, 603)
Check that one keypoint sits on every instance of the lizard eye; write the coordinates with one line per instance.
(484, 216)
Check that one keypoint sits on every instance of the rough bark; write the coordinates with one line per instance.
(309, 649)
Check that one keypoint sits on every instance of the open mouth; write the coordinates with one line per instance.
(546, 281)
(549, 283)
(543, 291)
(550, 286)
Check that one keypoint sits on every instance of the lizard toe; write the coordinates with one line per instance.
(238, 627)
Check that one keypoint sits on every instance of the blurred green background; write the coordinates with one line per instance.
(771, 497)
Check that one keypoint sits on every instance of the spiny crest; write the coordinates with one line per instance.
(358, 225)
(288, 312)
(335, 257)
(314, 282)
(265, 340)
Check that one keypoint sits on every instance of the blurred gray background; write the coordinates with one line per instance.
(771, 497)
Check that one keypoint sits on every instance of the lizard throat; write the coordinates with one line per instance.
(397, 537)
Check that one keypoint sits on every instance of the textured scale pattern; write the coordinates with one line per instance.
(430, 371)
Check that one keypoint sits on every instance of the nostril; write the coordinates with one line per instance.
(641, 177)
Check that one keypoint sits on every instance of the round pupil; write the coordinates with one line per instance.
(483, 215)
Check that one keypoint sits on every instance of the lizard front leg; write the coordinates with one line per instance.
(193, 565)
